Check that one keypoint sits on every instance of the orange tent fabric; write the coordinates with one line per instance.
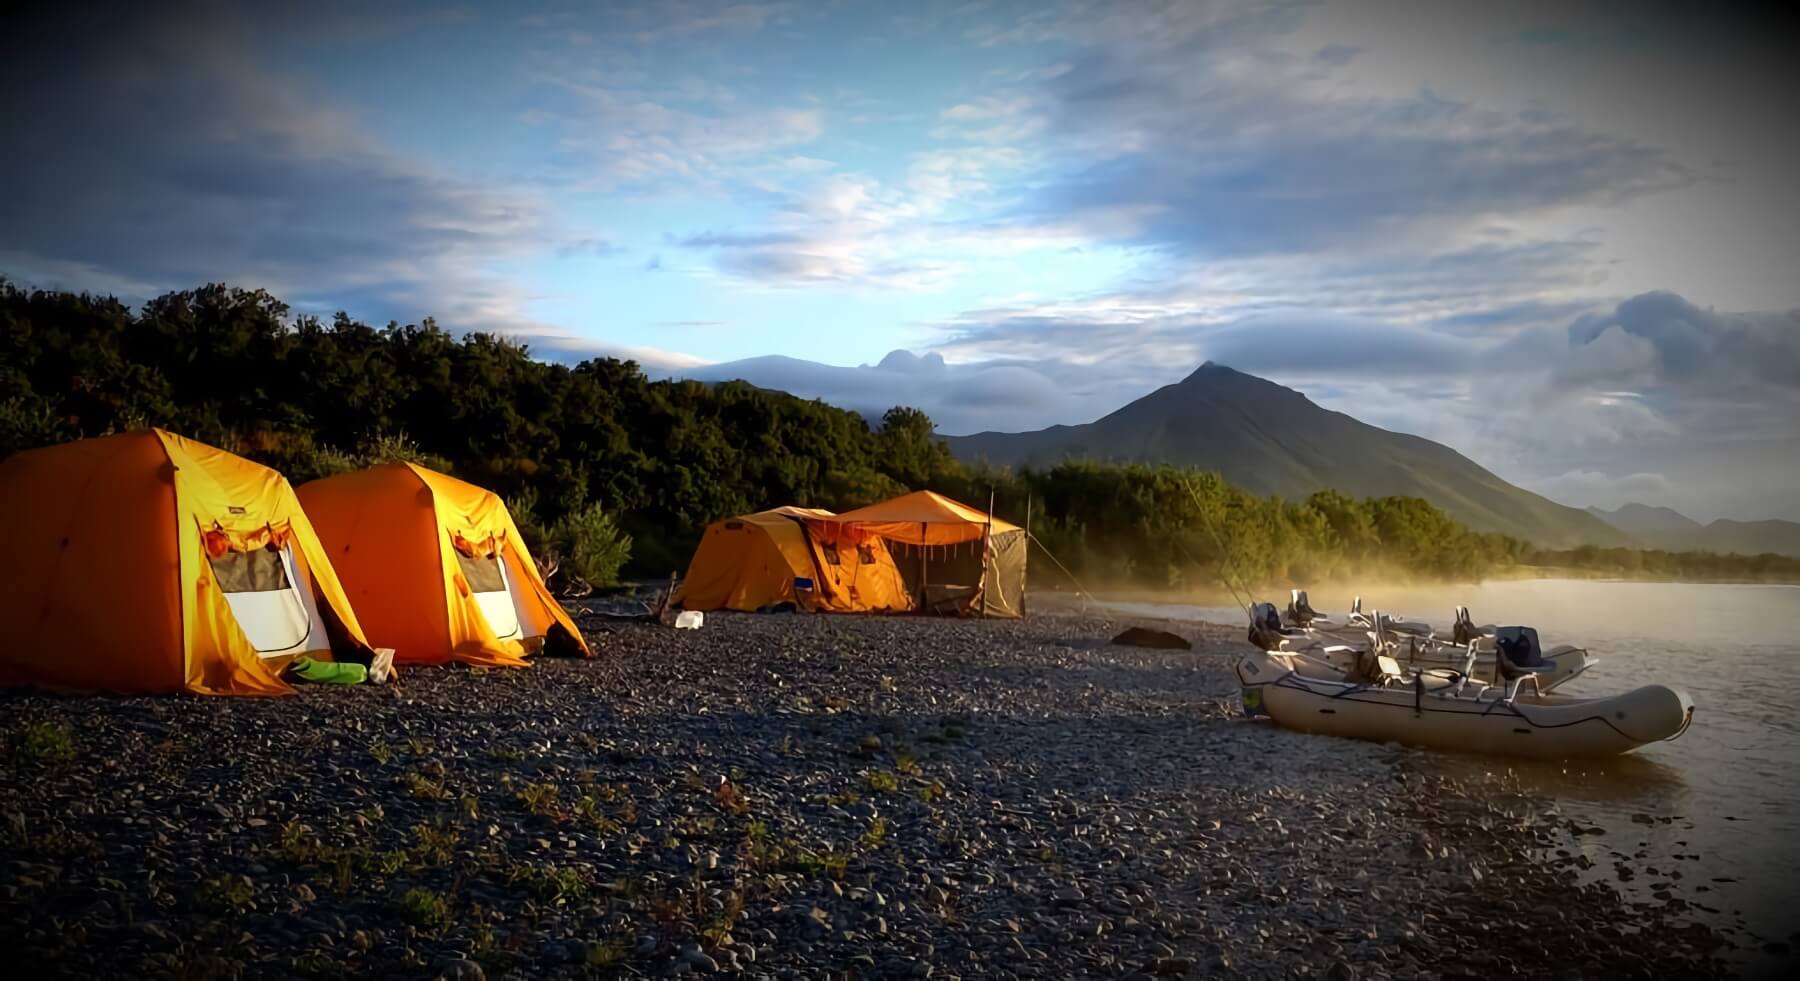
(988, 578)
(756, 561)
(923, 518)
(407, 541)
(750, 562)
(857, 577)
(115, 586)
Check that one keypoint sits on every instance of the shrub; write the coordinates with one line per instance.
(523, 507)
(400, 448)
(46, 742)
(227, 893)
(436, 843)
(553, 885)
(424, 908)
(540, 799)
(593, 545)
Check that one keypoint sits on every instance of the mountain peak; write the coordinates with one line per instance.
(1209, 369)
(901, 359)
(1645, 520)
(1270, 439)
(1215, 381)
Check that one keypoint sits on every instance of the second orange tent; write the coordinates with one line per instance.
(435, 568)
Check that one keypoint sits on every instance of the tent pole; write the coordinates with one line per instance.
(1025, 560)
(987, 538)
(924, 570)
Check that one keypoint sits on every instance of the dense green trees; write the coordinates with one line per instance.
(312, 397)
(1168, 526)
(1632, 563)
(597, 459)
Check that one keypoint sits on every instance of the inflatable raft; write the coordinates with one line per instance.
(1448, 710)
(1413, 644)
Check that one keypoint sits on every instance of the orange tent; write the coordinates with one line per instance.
(438, 566)
(768, 559)
(145, 562)
(956, 559)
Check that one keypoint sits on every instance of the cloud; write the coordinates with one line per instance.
(588, 245)
(668, 20)
(1336, 55)
(556, 344)
(637, 130)
(212, 167)
(960, 398)
(1525, 394)
(851, 231)
(1611, 357)
(1301, 342)
(1673, 340)
(1201, 132)
(739, 240)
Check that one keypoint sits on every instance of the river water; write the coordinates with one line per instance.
(1729, 788)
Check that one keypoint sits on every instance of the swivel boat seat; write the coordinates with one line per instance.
(1517, 657)
(1268, 634)
(1300, 612)
(1377, 665)
(1266, 631)
(1463, 632)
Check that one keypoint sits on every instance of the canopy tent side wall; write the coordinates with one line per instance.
(951, 558)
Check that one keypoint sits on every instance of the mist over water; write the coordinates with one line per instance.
(1730, 786)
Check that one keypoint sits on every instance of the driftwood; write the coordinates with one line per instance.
(570, 586)
(575, 587)
(661, 610)
(1146, 637)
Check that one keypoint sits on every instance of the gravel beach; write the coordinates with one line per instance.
(790, 796)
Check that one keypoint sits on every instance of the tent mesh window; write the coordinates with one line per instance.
(482, 572)
(865, 554)
(831, 555)
(257, 571)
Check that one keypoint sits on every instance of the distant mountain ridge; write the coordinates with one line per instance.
(1273, 440)
(1645, 521)
(1665, 528)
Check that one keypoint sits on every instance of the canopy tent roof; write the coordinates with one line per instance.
(923, 518)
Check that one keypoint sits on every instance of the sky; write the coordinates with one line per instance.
(1559, 237)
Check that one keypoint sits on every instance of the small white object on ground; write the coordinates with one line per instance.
(689, 620)
(381, 665)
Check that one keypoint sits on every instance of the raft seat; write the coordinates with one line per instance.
(1518, 657)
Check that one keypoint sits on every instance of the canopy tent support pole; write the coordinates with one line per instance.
(987, 550)
(1024, 560)
(924, 570)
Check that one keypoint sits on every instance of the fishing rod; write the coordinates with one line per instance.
(1224, 553)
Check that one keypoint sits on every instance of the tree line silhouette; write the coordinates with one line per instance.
(623, 472)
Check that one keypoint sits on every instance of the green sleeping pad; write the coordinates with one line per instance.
(329, 672)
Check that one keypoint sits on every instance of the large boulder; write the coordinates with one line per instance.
(1146, 637)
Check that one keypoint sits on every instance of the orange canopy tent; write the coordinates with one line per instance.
(955, 558)
(770, 559)
(438, 566)
(145, 562)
